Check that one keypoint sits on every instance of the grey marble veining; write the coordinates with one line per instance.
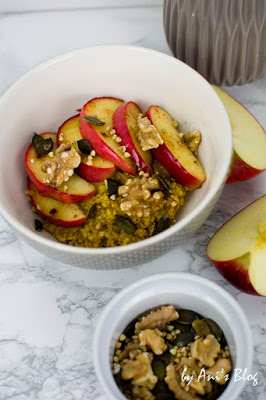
(48, 310)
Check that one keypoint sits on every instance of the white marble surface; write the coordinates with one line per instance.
(48, 310)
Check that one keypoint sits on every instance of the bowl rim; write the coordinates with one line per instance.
(139, 285)
(214, 190)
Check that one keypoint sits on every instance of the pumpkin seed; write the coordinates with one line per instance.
(215, 394)
(186, 316)
(181, 327)
(160, 387)
(36, 139)
(93, 120)
(38, 225)
(125, 225)
(92, 210)
(112, 187)
(164, 183)
(164, 396)
(43, 146)
(84, 146)
(159, 369)
(130, 329)
(163, 224)
(166, 357)
(215, 329)
(184, 338)
(201, 327)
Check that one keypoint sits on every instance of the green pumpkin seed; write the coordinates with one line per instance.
(130, 329)
(112, 187)
(215, 329)
(38, 225)
(43, 147)
(166, 357)
(214, 395)
(159, 369)
(186, 316)
(164, 396)
(160, 387)
(184, 338)
(84, 146)
(164, 183)
(93, 120)
(201, 327)
(36, 139)
(125, 225)
(163, 224)
(181, 327)
(92, 210)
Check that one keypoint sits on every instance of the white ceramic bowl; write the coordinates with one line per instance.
(47, 95)
(181, 290)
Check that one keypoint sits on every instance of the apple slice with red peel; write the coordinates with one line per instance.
(173, 154)
(100, 137)
(249, 140)
(67, 215)
(238, 249)
(100, 169)
(125, 124)
(74, 190)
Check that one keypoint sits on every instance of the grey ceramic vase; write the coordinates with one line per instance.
(224, 40)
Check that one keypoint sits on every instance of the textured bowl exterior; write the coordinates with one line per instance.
(225, 41)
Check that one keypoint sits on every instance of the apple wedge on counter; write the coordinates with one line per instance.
(238, 249)
(125, 124)
(100, 169)
(76, 190)
(249, 140)
(173, 154)
(96, 124)
(56, 212)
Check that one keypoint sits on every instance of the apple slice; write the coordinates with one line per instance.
(125, 124)
(100, 137)
(173, 154)
(100, 169)
(238, 249)
(67, 215)
(73, 191)
(249, 140)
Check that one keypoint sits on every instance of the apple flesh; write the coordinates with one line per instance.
(249, 140)
(125, 124)
(74, 190)
(67, 215)
(100, 169)
(238, 249)
(173, 154)
(100, 137)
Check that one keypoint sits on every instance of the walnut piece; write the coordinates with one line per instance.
(153, 339)
(157, 319)
(129, 347)
(137, 197)
(173, 380)
(61, 166)
(191, 368)
(220, 369)
(140, 371)
(147, 134)
(206, 350)
(192, 140)
(142, 393)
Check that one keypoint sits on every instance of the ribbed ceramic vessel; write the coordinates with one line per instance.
(224, 40)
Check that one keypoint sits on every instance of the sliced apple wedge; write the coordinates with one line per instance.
(67, 215)
(173, 154)
(100, 169)
(100, 137)
(74, 191)
(249, 140)
(238, 249)
(125, 124)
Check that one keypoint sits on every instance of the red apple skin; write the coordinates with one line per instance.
(101, 148)
(241, 171)
(65, 224)
(94, 174)
(121, 127)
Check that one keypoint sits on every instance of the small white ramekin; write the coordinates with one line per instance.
(184, 291)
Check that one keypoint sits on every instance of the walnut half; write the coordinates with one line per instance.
(157, 319)
(153, 339)
(140, 371)
(206, 350)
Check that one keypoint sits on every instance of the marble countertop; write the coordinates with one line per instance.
(48, 310)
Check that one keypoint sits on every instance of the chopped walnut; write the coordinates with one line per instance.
(192, 140)
(157, 319)
(200, 386)
(206, 350)
(220, 369)
(61, 166)
(153, 339)
(142, 393)
(140, 371)
(129, 348)
(173, 381)
(147, 134)
(137, 197)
